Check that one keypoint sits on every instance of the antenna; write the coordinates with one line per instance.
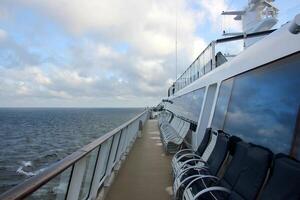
(259, 15)
(176, 26)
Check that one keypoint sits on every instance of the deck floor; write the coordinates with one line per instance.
(146, 173)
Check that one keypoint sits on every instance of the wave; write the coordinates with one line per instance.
(27, 163)
(27, 169)
(22, 172)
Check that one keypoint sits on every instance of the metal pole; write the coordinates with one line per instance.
(176, 23)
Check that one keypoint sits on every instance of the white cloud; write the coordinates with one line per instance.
(38, 75)
(22, 89)
(213, 10)
(3, 35)
(96, 68)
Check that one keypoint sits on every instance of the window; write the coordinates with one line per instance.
(189, 105)
(264, 104)
(222, 104)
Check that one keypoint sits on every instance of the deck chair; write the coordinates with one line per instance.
(284, 180)
(200, 160)
(249, 175)
(211, 167)
(184, 154)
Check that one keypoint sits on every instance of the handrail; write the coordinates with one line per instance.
(29, 186)
(192, 72)
(243, 36)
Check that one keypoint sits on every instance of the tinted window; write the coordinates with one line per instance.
(222, 104)
(264, 104)
(188, 105)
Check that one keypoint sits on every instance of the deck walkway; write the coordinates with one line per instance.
(146, 173)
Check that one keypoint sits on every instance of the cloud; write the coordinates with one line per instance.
(3, 35)
(213, 10)
(13, 54)
(117, 51)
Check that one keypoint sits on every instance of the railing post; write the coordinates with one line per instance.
(128, 138)
(121, 148)
(108, 155)
(99, 170)
(213, 54)
(76, 179)
(111, 159)
(124, 147)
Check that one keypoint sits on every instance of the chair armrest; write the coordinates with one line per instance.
(191, 160)
(182, 151)
(189, 168)
(211, 189)
(183, 181)
(189, 154)
(199, 178)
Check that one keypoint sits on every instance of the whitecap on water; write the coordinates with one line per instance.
(27, 169)
(22, 172)
(60, 188)
(27, 163)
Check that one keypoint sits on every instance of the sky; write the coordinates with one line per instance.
(105, 53)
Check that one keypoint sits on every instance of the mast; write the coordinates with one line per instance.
(259, 15)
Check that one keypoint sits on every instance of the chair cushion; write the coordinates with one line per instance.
(252, 176)
(284, 181)
(235, 166)
(219, 153)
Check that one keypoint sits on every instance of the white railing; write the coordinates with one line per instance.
(209, 59)
(85, 172)
(203, 64)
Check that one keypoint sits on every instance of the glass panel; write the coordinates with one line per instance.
(88, 174)
(104, 156)
(264, 104)
(55, 189)
(222, 104)
(189, 105)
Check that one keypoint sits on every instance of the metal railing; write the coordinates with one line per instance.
(203, 64)
(85, 172)
(208, 60)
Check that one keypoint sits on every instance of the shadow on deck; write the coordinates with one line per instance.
(146, 173)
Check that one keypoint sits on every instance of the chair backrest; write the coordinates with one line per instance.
(284, 180)
(177, 124)
(184, 130)
(174, 121)
(251, 178)
(235, 166)
(219, 153)
(210, 147)
(168, 116)
(233, 140)
(204, 142)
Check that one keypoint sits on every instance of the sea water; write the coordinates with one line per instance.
(33, 138)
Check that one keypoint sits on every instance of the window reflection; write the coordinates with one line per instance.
(188, 105)
(222, 104)
(264, 104)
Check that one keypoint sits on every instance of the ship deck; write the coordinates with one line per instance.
(146, 173)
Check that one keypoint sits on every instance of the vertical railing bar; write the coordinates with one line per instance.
(70, 178)
(77, 181)
(118, 146)
(125, 141)
(98, 153)
(79, 165)
(108, 158)
(127, 138)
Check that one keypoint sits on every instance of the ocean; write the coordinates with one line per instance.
(34, 138)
